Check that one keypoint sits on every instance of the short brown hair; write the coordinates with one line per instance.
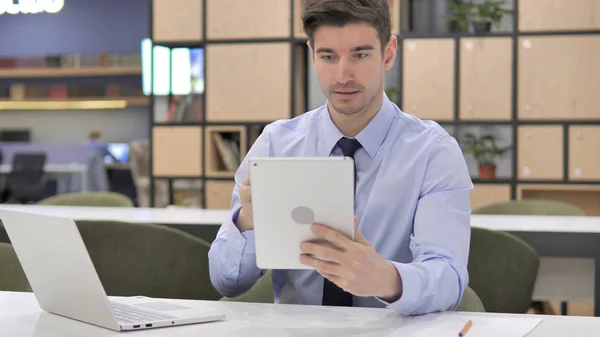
(339, 13)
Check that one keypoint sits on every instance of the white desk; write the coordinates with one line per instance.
(167, 216)
(20, 316)
(570, 246)
(80, 169)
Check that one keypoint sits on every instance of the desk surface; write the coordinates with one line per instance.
(20, 316)
(52, 168)
(176, 216)
(194, 216)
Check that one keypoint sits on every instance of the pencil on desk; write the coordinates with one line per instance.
(465, 329)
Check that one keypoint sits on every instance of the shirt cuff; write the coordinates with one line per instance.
(243, 242)
(411, 289)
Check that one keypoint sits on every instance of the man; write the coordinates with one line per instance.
(96, 146)
(412, 187)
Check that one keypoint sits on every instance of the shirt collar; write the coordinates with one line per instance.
(371, 137)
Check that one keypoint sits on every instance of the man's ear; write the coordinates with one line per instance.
(312, 53)
(389, 53)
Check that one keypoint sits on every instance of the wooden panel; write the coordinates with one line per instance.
(299, 6)
(559, 77)
(300, 92)
(428, 78)
(298, 28)
(487, 194)
(586, 197)
(219, 150)
(177, 151)
(584, 157)
(230, 19)
(218, 194)
(249, 82)
(539, 15)
(177, 20)
(540, 152)
(485, 78)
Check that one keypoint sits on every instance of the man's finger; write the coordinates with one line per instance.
(358, 237)
(338, 239)
(321, 266)
(246, 180)
(322, 250)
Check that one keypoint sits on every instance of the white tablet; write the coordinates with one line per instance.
(288, 195)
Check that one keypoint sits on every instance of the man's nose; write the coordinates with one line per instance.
(344, 72)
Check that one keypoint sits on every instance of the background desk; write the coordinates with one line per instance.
(20, 316)
(55, 169)
(570, 246)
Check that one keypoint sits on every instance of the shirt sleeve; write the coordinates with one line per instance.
(437, 277)
(231, 258)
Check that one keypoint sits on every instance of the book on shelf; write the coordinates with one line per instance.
(229, 151)
(73, 61)
(185, 108)
(21, 91)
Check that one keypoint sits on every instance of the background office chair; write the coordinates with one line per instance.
(262, 292)
(98, 199)
(502, 270)
(531, 207)
(534, 207)
(149, 260)
(12, 276)
(25, 182)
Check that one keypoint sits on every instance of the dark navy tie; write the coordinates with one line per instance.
(332, 294)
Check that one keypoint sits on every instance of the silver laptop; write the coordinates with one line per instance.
(65, 282)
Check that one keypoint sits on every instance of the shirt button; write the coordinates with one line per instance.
(235, 268)
(239, 242)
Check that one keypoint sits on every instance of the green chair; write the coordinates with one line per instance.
(502, 270)
(262, 292)
(531, 207)
(12, 276)
(470, 302)
(148, 260)
(97, 199)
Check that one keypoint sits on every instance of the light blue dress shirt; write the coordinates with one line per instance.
(412, 202)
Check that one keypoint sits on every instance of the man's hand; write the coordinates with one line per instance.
(356, 267)
(245, 220)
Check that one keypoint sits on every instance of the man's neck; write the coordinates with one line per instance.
(352, 125)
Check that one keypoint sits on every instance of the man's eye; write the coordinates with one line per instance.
(361, 55)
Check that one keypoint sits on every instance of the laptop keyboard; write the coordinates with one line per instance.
(133, 314)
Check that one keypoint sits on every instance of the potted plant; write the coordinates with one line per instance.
(480, 16)
(393, 94)
(485, 151)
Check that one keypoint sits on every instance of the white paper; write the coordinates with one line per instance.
(451, 325)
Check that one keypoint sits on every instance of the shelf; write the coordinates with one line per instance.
(586, 197)
(68, 72)
(225, 149)
(75, 104)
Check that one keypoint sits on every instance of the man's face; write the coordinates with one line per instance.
(350, 65)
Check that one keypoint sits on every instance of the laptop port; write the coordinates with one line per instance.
(148, 325)
(136, 326)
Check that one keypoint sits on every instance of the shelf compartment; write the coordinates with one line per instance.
(540, 152)
(177, 151)
(218, 193)
(229, 19)
(225, 148)
(428, 71)
(586, 197)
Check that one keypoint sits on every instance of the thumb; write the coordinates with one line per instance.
(358, 237)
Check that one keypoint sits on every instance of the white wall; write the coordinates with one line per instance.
(72, 126)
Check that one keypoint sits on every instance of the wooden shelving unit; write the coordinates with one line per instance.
(21, 73)
(91, 103)
(539, 81)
